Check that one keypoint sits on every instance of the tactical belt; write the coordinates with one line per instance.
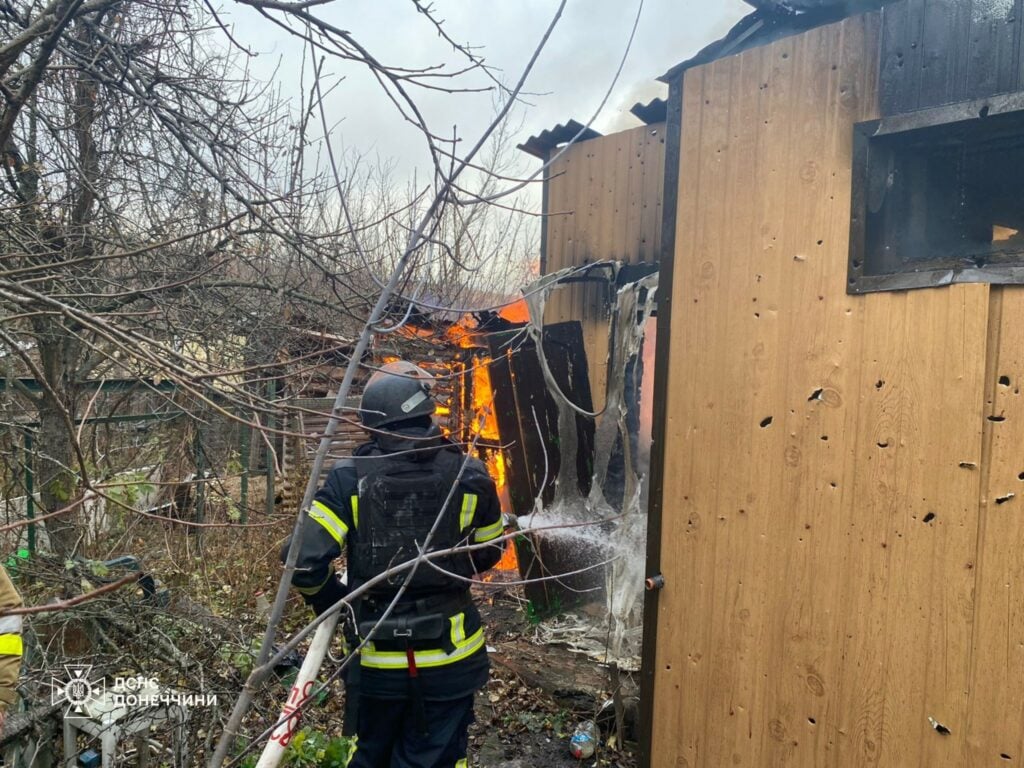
(425, 619)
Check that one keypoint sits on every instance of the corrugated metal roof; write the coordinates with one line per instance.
(654, 111)
(541, 144)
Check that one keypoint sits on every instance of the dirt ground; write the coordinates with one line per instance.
(536, 697)
(529, 731)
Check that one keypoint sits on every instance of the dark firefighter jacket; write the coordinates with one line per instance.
(334, 522)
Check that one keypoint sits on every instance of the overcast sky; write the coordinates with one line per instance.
(569, 80)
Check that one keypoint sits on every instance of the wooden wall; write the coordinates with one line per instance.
(604, 201)
(843, 531)
(938, 52)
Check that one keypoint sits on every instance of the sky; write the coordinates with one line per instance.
(569, 80)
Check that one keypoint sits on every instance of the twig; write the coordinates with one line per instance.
(71, 602)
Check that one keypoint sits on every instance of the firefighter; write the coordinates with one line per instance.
(413, 687)
(10, 645)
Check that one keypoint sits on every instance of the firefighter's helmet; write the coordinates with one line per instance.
(398, 391)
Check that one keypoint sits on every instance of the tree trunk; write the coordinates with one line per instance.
(55, 456)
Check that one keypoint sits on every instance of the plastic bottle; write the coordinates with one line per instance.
(583, 740)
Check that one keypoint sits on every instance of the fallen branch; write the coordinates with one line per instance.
(73, 601)
(17, 724)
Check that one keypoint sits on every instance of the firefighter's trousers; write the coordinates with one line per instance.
(387, 734)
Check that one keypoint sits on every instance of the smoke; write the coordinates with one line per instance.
(621, 118)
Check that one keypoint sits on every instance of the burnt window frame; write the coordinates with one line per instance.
(914, 127)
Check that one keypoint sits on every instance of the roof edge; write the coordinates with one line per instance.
(765, 26)
(571, 131)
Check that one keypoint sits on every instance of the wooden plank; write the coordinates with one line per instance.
(653, 161)
(945, 40)
(738, 517)
(634, 195)
(658, 504)
(937, 52)
(557, 226)
(580, 204)
(633, 206)
(997, 700)
(854, 678)
(829, 374)
(992, 40)
(585, 224)
(597, 339)
(684, 648)
(811, 396)
(559, 211)
(677, 644)
(902, 56)
(930, 576)
(589, 190)
(615, 172)
(521, 492)
(617, 196)
(537, 420)
(893, 63)
(603, 183)
(949, 571)
(568, 364)
(601, 237)
(561, 219)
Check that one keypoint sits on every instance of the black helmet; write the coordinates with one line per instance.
(397, 392)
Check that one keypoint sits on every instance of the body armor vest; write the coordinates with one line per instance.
(399, 501)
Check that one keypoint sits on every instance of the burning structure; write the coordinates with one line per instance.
(459, 350)
(581, 414)
(518, 389)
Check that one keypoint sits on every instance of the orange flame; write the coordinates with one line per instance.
(462, 335)
(485, 423)
(509, 561)
(516, 313)
(480, 420)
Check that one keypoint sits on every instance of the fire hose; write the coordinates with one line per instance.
(300, 692)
